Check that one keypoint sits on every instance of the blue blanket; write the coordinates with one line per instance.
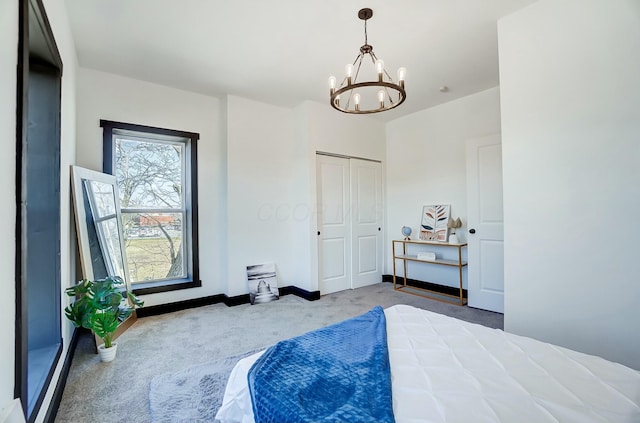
(339, 373)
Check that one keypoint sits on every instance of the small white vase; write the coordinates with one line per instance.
(107, 354)
(453, 239)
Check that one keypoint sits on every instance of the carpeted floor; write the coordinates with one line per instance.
(119, 391)
(191, 395)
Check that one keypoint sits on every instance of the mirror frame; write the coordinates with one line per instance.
(78, 175)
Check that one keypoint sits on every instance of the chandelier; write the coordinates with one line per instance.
(347, 96)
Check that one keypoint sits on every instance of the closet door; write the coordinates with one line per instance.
(349, 223)
(366, 222)
(334, 224)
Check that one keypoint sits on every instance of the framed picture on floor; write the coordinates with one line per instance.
(263, 283)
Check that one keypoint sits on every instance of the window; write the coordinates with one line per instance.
(156, 173)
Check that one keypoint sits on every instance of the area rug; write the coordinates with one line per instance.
(191, 395)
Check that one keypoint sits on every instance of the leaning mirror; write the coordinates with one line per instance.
(99, 228)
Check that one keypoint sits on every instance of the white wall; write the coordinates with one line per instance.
(111, 97)
(426, 165)
(8, 52)
(341, 133)
(260, 159)
(570, 97)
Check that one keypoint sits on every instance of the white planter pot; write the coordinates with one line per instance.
(107, 354)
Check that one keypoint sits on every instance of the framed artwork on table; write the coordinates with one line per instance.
(434, 222)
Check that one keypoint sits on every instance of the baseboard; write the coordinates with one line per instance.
(220, 298)
(180, 305)
(52, 411)
(299, 292)
(236, 300)
(449, 290)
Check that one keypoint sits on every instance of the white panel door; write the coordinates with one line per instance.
(334, 233)
(485, 223)
(366, 219)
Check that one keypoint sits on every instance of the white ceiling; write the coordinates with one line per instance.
(282, 52)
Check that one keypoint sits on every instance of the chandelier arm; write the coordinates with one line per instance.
(387, 73)
(388, 95)
(348, 103)
(355, 77)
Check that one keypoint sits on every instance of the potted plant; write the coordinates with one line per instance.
(100, 306)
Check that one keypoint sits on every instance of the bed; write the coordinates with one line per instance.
(447, 370)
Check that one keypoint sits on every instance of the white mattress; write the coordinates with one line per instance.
(447, 370)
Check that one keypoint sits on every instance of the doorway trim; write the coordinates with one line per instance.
(40, 46)
(344, 156)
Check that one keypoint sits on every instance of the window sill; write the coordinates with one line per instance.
(145, 288)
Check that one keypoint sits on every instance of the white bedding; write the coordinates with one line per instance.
(447, 370)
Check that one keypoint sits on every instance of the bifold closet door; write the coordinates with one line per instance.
(349, 223)
(334, 226)
(366, 222)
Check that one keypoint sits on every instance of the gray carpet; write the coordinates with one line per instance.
(191, 395)
(119, 391)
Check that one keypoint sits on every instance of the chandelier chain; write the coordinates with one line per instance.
(365, 33)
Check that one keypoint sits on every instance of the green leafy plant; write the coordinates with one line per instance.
(100, 306)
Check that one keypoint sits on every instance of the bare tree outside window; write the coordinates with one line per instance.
(151, 175)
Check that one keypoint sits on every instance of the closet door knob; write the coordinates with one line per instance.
(472, 231)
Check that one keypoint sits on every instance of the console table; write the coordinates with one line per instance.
(415, 247)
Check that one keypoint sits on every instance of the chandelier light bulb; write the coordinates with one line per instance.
(332, 84)
(356, 101)
(348, 70)
(379, 68)
(381, 98)
(402, 73)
